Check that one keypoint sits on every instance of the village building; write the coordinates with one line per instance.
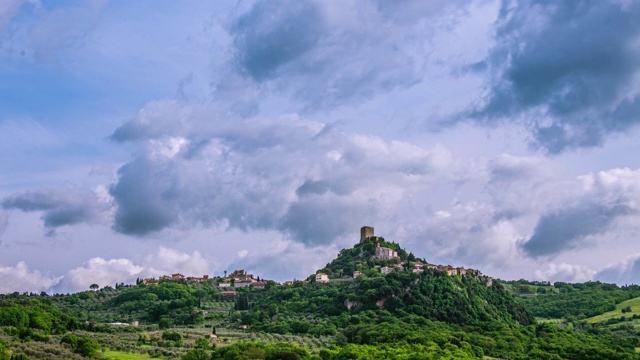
(322, 278)
(240, 275)
(238, 284)
(356, 274)
(451, 270)
(417, 270)
(224, 285)
(384, 253)
(177, 276)
(198, 279)
(228, 293)
(259, 284)
(385, 270)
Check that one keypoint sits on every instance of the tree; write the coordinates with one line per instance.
(94, 287)
(165, 322)
(202, 343)
(20, 356)
(3, 351)
(86, 346)
(196, 354)
(83, 345)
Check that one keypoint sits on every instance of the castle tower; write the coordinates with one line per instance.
(366, 232)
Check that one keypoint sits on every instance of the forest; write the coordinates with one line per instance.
(399, 315)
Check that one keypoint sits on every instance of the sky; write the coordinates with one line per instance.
(146, 138)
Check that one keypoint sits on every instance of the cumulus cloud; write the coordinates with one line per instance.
(20, 278)
(565, 272)
(624, 272)
(469, 234)
(65, 205)
(327, 54)
(101, 272)
(283, 260)
(604, 198)
(573, 84)
(164, 261)
(282, 174)
(156, 119)
(167, 261)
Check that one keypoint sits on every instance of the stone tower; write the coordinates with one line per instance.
(366, 232)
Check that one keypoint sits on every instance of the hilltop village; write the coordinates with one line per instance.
(228, 284)
(396, 264)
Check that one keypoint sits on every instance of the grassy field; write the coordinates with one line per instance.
(635, 309)
(119, 355)
(552, 321)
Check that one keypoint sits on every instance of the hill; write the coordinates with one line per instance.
(373, 301)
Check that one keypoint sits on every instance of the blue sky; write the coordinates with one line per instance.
(139, 139)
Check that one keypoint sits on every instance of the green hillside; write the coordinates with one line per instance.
(628, 310)
(396, 307)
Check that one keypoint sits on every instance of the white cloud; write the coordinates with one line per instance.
(265, 174)
(20, 278)
(101, 272)
(283, 260)
(165, 261)
(565, 272)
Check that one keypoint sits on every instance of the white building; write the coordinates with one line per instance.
(386, 269)
(322, 278)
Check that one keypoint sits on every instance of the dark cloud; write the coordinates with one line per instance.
(288, 174)
(322, 219)
(142, 198)
(567, 228)
(568, 67)
(60, 206)
(272, 35)
(325, 57)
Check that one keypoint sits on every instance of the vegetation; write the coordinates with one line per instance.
(579, 301)
(400, 315)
